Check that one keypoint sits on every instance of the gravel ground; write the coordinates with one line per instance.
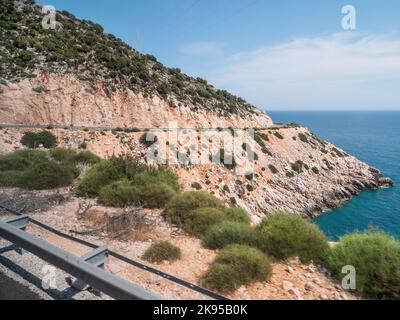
(28, 271)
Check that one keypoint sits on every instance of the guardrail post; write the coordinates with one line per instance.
(20, 222)
(96, 257)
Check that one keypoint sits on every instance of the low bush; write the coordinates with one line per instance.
(155, 176)
(303, 137)
(46, 175)
(163, 251)
(273, 169)
(236, 266)
(197, 186)
(298, 166)
(98, 176)
(198, 221)
(229, 232)
(315, 170)
(31, 169)
(34, 140)
(35, 170)
(67, 156)
(237, 214)
(155, 195)
(118, 194)
(376, 258)
(181, 205)
(288, 235)
(126, 193)
(86, 157)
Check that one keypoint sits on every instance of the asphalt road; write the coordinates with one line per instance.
(12, 290)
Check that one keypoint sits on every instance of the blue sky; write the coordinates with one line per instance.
(279, 55)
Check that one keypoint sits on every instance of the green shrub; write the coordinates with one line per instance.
(33, 140)
(230, 232)
(288, 235)
(98, 176)
(298, 166)
(315, 170)
(236, 266)
(182, 204)
(155, 195)
(155, 176)
(337, 152)
(67, 156)
(31, 169)
(279, 135)
(163, 251)
(86, 157)
(197, 186)
(273, 169)
(238, 215)
(303, 137)
(62, 155)
(46, 175)
(21, 159)
(199, 221)
(119, 194)
(126, 193)
(376, 258)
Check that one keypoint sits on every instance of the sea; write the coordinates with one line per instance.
(373, 137)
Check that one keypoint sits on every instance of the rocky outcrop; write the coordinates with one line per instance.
(65, 100)
(326, 176)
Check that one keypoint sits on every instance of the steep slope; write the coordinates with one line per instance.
(98, 73)
(78, 76)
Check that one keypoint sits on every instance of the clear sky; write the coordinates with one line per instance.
(279, 55)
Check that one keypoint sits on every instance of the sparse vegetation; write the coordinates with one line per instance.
(35, 170)
(279, 135)
(238, 215)
(121, 182)
(236, 266)
(303, 137)
(34, 140)
(297, 166)
(273, 169)
(376, 259)
(180, 206)
(197, 222)
(315, 170)
(82, 47)
(288, 235)
(162, 251)
(338, 153)
(197, 186)
(99, 176)
(230, 232)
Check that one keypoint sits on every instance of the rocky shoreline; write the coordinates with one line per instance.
(326, 176)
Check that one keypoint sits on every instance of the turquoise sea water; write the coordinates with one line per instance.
(373, 137)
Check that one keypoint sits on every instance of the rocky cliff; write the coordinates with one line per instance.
(77, 76)
(50, 99)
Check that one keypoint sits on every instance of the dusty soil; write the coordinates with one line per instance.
(290, 280)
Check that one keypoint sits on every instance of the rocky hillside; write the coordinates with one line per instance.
(81, 81)
(294, 171)
(98, 75)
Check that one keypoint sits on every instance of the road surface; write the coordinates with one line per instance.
(12, 290)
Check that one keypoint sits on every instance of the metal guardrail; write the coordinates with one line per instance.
(78, 267)
(21, 218)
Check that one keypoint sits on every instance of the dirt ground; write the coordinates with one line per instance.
(85, 219)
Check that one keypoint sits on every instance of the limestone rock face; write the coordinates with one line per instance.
(294, 171)
(66, 101)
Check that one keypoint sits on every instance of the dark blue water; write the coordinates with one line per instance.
(373, 137)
